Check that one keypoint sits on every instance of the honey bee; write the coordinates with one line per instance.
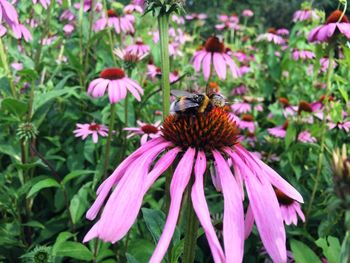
(191, 103)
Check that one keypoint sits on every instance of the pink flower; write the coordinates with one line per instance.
(282, 32)
(305, 14)
(240, 90)
(178, 19)
(247, 13)
(153, 71)
(3, 30)
(271, 37)
(174, 76)
(84, 130)
(241, 107)
(44, 3)
(87, 5)
(279, 131)
(302, 54)
(331, 28)
(325, 64)
(147, 131)
(129, 9)
(8, 12)
(195, 16)
(247, 122)
(305, 137)
(183, 139)
(117, 83)
(120, 24)
(20, 31)
(344, 125)
(17, 66)
(68, 29)
(214, 54)
(138, 48)
(129, 56)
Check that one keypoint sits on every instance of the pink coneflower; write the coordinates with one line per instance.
(174, 76)
(288, 109)
(282, 32)
(302, 54)
(87, 5)
(44, 3)
(279, 131)
(93, 129)
(67, 15)
(195, 16)
(68, 29)
(8, 13)
(139, 48)
(241, 107)
(129, 9)
(306, 137)
(214, 53)
(17, 66)
(247, 13)
(325, 64)
(305, 14)
(184, 139)
(290, 208)
(145, 130)
(271, 36)
(331, 28)
(240, 90)
(247, 122)
(123, 23)
(178, 19)
(343, 125)
(153, 72)
(117, 83)
(129, 58)
(20, 31)
(3, 30)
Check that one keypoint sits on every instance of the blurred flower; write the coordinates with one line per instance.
(147, 131)
(44, 3)
(122, 23)
(282, 32)
(271, 36)
(130, 59)
(138, 48)
(174, 76)
(153, 72)
(305, 14)
(194, 16)
(67, 15)
(247, 122)
(288, 110)
(87, 5)
(240, 90)
(214, 53)
(178, 19)
(17, 66)
(129, 9)
(241, 107)
(344, 125)
(341, 170)
(93, 129)
(20, 31)
(302, 54)
(117, 83)
(8, 13)
(247, 13)
(279, 131)
(184, 139)
(3, 30)
(305, 137)
(325, 64)
(68, 29)
(331, 28)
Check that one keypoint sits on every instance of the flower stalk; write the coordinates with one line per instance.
(109, 139)
(191, 230)
(323, 128)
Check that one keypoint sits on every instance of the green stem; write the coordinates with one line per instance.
(81, 53)
(5, 64)
(126, 110)
(109, 139)
(109, 33)
(191, 230)
(163, 23)
(323, 129)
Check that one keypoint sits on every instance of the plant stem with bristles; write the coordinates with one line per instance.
(323, 129)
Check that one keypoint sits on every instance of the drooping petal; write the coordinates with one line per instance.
(100, 88)
(219, 65)
(249, 222)
(233, 223)
(127, 194)
(265, 208)
(274, 178)
(107, 185)
(197, 60)
(178, 185)
(113, 91)
(201, 208)
(207, 66)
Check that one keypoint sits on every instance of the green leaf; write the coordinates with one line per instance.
(330, 247)
(290, 135)
(34, 224)
(75, 174)
(130, 258)
(14, 106)
(46, 183)
(89, 149)
(345, 249)
(302, 253)
(73, 250)
(154, 220)
(79, 203)
(344, 94)
(43, 98)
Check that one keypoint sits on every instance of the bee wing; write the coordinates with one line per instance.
(185, 105)
(180, 93)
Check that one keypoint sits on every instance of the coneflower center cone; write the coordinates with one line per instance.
(94, 127)
(213, 44)
(206, 131)
(149, 129)
(335, 16)
(111, 13)
(112, 73)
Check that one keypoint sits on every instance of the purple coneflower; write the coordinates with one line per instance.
(282, 32)
(271, 36)
(343, 125)
(117, 83)
(20, 31)
(138, 48)
(8, 13)
(241, 107)
(306, 137)
(145, 130)
(84, 130)
(302, 54)
(290, 208)
(247, 13)
(325, 64)
(88, 4)
(247, 122)
(123, 23)
(336, 23)
(184, 138)
(304, 14)
(44, 3)
(240, 90)
(279, 131)
(214, 53)
(129, 9)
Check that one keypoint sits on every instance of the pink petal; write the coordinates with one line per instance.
(219, 65)
(197, 60)
(233, 224)
(113, 91)
(207, 66)
(133, 91)
(201, 208)
(178, 185)
(249, 222)
(93, 84)
(100, 88)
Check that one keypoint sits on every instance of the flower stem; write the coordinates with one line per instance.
(191, 230)
(323, 128)
(163, 23)
(5, 64)
(109, 139)
(126, 110)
